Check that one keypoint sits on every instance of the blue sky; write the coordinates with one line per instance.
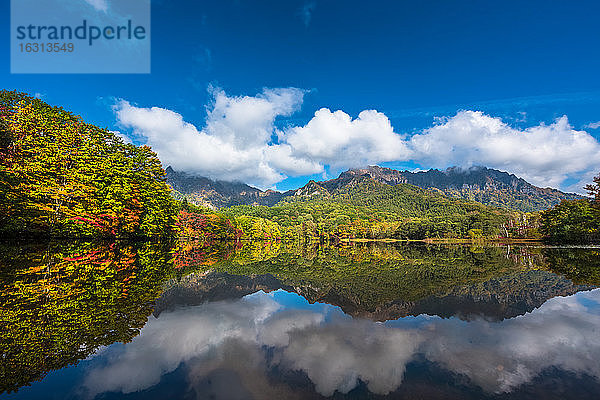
(522, 65)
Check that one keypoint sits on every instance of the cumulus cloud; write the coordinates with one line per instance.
(334, 138)
(252, 335)
(545, 155)
(240, 141)
(235, 143)
(123, 137)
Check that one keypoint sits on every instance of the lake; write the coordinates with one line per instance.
(271, 320)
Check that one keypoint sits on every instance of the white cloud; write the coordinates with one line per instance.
(237, 142)
(99, 5)
(592, 125)
(545, 155)
(335, 139)
(123, 137)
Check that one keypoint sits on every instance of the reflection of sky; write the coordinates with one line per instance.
(243, 341)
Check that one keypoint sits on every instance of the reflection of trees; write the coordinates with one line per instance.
(60, 302)
(193, 254)
(580, 265)
(382, 281)
(373, 274)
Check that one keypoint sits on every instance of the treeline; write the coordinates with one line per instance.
(367, 209)
(574, 221)
(62, 177)
(414, 214)
(374, 274)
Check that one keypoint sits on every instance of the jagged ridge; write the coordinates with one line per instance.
(484, 185)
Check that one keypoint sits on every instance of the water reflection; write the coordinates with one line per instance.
(61, 302)
(272, 321)
(383, 282)
(258, 336)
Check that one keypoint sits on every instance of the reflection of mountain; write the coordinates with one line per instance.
(197, 288)
(496, 299)
(384, 282)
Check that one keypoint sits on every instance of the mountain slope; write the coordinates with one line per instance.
(484, 185)
(218, 194)
(363, 191)
(365, 208)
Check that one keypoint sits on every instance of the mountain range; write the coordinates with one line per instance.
(484, 185)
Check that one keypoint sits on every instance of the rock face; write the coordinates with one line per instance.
(485, 185)
(494, 300)
(217, 194)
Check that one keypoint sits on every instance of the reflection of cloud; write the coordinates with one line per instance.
(501, 356)
(336, 355)
(177, 337)
(336, 351)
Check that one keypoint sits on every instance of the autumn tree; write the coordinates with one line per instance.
(60, 176)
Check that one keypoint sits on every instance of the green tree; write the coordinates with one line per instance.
(62, 177)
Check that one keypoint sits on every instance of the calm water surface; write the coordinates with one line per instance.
(266, 321)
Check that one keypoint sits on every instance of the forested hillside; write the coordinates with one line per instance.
(364, 208)
(62, 177)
